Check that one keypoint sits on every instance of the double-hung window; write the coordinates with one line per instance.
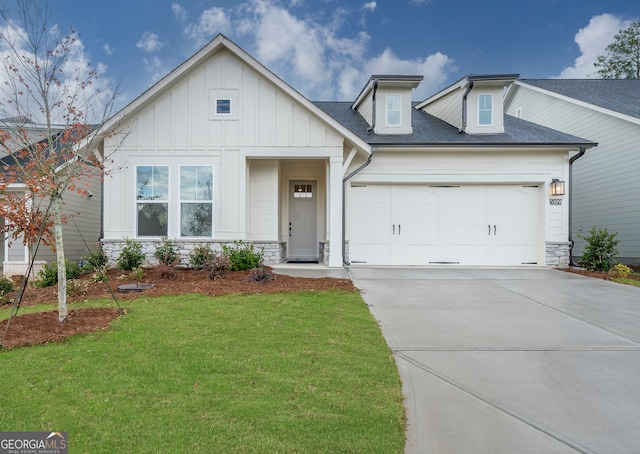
(485, 110)
(152, 200)
(393, 111)
(196, 201)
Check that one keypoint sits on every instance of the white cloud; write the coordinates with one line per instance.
(419, 2)
(370, 6)
(211, 22)
(592, 41)
(149, 42)
(179, 12)
(108, 49)
(322, 57)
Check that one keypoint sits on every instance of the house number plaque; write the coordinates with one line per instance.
(555, 201)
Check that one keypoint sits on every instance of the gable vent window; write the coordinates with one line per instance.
(485, 110)
(393, 111)
(223, 106)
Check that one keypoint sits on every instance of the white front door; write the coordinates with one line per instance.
(303, 237)
(421, 225)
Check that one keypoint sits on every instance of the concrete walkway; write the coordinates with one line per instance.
(511, 360)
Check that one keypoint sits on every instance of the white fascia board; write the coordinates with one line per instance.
(577, 102)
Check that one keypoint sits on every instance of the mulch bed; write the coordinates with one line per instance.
(43, 327)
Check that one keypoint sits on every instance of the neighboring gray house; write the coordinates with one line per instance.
(84, 213)
(606, 180)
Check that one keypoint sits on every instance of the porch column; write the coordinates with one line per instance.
(335, 211)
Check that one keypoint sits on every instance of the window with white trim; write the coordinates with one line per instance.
(223, 106)
(393, 113)
(152, 200)
(485, 110)
(196, 201)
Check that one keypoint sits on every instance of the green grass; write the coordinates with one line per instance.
(624, 280)
(302, 372)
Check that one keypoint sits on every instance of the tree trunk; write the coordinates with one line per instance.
(62, 269)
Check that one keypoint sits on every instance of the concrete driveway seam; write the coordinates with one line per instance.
(502, 408)
(570, 314)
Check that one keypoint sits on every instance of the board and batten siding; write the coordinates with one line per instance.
(606, 186)
(178, 126)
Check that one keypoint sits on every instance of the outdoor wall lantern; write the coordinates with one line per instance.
(557, 187)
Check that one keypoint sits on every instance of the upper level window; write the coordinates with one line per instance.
(485, 110)
(223, 106)
(152, 200)
(393, 110)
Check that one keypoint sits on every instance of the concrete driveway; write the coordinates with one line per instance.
(511, 360)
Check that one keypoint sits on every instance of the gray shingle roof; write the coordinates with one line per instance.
(619, 95)
(431, 131)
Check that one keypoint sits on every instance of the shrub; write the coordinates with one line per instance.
(242, 256)
(6, 286)
(260, 274)
(217, 266)
(48, 275)
(137, 273)
(167, 252)
(75, 287)
(131, 256)
(95, 260)
(201, 256)
(621, 270)
(600, 249)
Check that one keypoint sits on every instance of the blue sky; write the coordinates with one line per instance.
(327, 49)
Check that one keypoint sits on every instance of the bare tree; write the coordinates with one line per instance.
(622, 59)
(52, 102)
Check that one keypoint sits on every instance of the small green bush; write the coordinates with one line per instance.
(167, 252)
(48, 275)
(6, 286)
(137, 273)
(600, 250)
(131, 256)
(95, 260)
(201, 256)
(242, 256)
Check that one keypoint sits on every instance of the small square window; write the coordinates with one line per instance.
(223, 106)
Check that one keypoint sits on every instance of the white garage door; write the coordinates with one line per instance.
(422, 225)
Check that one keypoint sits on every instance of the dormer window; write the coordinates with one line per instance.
(485, 110)
(393, 117)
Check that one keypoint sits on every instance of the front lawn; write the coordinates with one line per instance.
(284, 372)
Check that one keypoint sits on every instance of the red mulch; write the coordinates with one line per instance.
(42, 328)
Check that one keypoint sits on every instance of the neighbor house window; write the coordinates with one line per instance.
(393, 110)
(152, 200)
(223, 106)
(485, 110)
(196, 201)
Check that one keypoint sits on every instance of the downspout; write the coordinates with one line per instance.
(464, 106)
(573, 159)
(344, 204)
(373, 106)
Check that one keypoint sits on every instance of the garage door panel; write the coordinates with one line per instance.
(470, 225)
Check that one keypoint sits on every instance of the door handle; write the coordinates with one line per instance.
(494, 229)
(489, 226)
(394, 229)
(399, 229)
(289, 228)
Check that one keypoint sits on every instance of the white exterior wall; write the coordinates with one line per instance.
(606, 187)
(177, 126)
(480, 167)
